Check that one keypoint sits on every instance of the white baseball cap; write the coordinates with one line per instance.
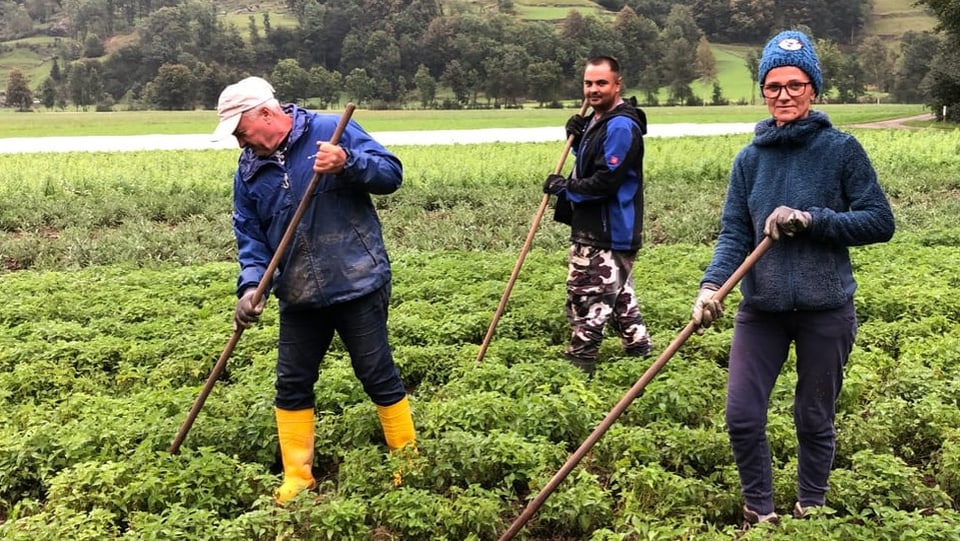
(237, 99)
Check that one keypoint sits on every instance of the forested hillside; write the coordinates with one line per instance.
(178, 54)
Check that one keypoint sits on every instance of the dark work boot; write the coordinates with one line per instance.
(801, 511)
(752, 518)
(644, 349)
(587, 365)
(632, 347)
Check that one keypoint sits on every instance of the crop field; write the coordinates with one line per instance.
(118, 274)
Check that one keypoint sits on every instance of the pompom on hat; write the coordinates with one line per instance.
(791, 48)
(237, 99)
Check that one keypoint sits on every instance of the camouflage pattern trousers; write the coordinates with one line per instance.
(600, 291)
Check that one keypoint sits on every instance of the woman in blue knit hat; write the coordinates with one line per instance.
(811, 188)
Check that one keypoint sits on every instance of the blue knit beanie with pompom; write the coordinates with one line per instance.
(791, 48)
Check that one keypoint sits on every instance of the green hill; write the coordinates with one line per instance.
(892, 18)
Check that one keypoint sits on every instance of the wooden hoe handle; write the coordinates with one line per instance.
(633, 393)
(526, 247)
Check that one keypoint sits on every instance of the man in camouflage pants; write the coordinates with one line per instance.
(602, 201)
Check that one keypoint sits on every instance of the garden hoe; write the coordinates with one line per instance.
(526, 247)
(262, 288)
(633, 393)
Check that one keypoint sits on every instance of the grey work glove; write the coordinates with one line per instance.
(786, 220)
(246, 314)
(706, 309)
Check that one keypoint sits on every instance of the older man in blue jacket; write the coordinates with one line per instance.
(335, 276)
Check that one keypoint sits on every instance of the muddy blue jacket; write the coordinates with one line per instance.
(606, 187)
(337, 253)
(807, 165)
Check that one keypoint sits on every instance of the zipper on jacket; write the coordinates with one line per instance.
(281, 157)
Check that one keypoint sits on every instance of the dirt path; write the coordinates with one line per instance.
(900, 123)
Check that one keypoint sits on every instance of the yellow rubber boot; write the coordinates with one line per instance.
(295, 430)
(397, 423)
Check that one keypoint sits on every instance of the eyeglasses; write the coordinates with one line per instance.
(794, 89)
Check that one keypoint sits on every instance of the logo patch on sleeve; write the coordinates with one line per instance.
(614, 160)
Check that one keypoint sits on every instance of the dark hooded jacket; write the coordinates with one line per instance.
(603, 201)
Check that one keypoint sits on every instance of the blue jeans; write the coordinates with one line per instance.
(761, 341)
(305, 337)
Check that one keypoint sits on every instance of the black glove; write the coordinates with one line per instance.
(555, 184)
(246, 314)
(575, 126)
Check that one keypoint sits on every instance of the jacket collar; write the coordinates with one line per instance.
(628, 108)
(766, 132)
(250, 164)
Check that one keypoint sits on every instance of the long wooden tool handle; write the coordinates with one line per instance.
(261, 290)
(633, 393)
(526, 247)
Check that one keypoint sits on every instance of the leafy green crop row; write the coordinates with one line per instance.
(111, 325)
(100, 365)
(140, 208)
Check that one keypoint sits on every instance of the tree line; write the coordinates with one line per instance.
(385, 53)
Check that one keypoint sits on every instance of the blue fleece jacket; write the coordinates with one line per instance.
(807, 165)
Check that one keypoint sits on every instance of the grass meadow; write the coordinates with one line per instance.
(557, 10)
(119, 270)
(50, 123)
(732, 76)
(892, 18)
(30, 56)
